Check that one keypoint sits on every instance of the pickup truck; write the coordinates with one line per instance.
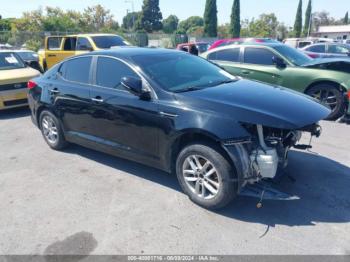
(57, 48)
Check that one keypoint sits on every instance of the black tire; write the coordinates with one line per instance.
(226, 177)
(336, 102)
(60, 142)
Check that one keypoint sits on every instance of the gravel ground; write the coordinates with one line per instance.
(85, 202)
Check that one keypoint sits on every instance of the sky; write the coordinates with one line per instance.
(285, 10)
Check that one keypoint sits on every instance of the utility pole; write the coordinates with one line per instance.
(132, 9)
(310, 24)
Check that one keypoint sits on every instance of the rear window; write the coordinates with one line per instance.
(317, 49)
(10, 61)
(106, 42)
(76, 70)
(54, 43)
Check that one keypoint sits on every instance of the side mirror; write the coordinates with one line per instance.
(134, 86)
(279, 62)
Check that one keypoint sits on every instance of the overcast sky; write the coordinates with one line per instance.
(284, 9)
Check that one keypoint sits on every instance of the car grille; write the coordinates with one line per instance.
(15, 102)
(13, 86)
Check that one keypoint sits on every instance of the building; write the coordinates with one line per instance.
(338, 32)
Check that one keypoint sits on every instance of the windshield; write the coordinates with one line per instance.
(295, 56)
(28, 55)
(177, 72)
(106, 42)
(10, 61)
(202, 47)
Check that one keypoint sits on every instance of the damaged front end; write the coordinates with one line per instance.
(263, 154)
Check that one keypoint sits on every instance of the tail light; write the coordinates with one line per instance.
(349, 95)
(31, 84)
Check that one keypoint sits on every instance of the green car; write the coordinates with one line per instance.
(327, 80)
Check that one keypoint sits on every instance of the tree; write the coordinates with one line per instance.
(151, 17)
(236, 19)
(298, 25)
(307, 19)
(346, 18)
(265, 26)
(170, 24)
(210, 19)
(97, 18)
(130, 19)
(192, 21)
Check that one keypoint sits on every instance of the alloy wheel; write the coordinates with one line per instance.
(201, 176)
(327, 97)
(49, 129)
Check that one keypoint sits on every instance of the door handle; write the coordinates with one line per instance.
(54, 91)
(51, 55)
(97, 99)
(245, 72)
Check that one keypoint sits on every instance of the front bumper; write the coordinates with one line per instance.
(13, 98)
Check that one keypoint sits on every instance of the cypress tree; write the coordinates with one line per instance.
(346, 18)
(151, 16)
(211, 19)
(307, 18)
(298, 25)
(235, 26)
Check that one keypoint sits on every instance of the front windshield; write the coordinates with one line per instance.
(295, 56)
(106, 42)
(9, 60)
(177, 72)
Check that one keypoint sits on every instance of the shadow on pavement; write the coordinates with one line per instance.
(321, 183)
(14, 113)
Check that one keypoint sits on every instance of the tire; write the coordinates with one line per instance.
(52, 131)
(224, 178)
(331, 96)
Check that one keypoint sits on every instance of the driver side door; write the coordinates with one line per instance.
(121, 121)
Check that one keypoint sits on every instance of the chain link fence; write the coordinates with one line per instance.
(35, 40)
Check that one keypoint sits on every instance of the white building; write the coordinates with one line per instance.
(338, 32)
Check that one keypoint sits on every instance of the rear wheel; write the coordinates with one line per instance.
(206, 176)
(331, 96)
(52, 131)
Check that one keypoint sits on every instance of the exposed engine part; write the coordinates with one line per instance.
(265, 159)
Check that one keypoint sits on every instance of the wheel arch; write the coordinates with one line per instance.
(329, 82)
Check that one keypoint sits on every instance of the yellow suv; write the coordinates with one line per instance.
(14, 75)
(57, 48)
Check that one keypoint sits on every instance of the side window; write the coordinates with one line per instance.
(337, 49)
(317, 49)
(70, 44)
(76, 70)
(230, 55)
(83, 44)
(54, 43)
(110, 72)
(258, 56)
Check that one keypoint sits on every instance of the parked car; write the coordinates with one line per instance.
(200, 46)
(176, 112)
(14, 75)
(231, 41)
(30, 58)
(302, 42)
(326, 50)
(327, 80)
(57, 48)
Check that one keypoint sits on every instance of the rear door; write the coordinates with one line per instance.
(228, 59)
(70, 94)
(53, 47)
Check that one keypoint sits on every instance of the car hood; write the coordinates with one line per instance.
(334, 64)
(257, 103)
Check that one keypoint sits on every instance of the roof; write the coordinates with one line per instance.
(129, 51)
(83, 35)
(334, 29)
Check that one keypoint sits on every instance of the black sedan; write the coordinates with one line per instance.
(175, 112)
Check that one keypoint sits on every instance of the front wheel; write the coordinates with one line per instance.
(206, 176)
(331, 97)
